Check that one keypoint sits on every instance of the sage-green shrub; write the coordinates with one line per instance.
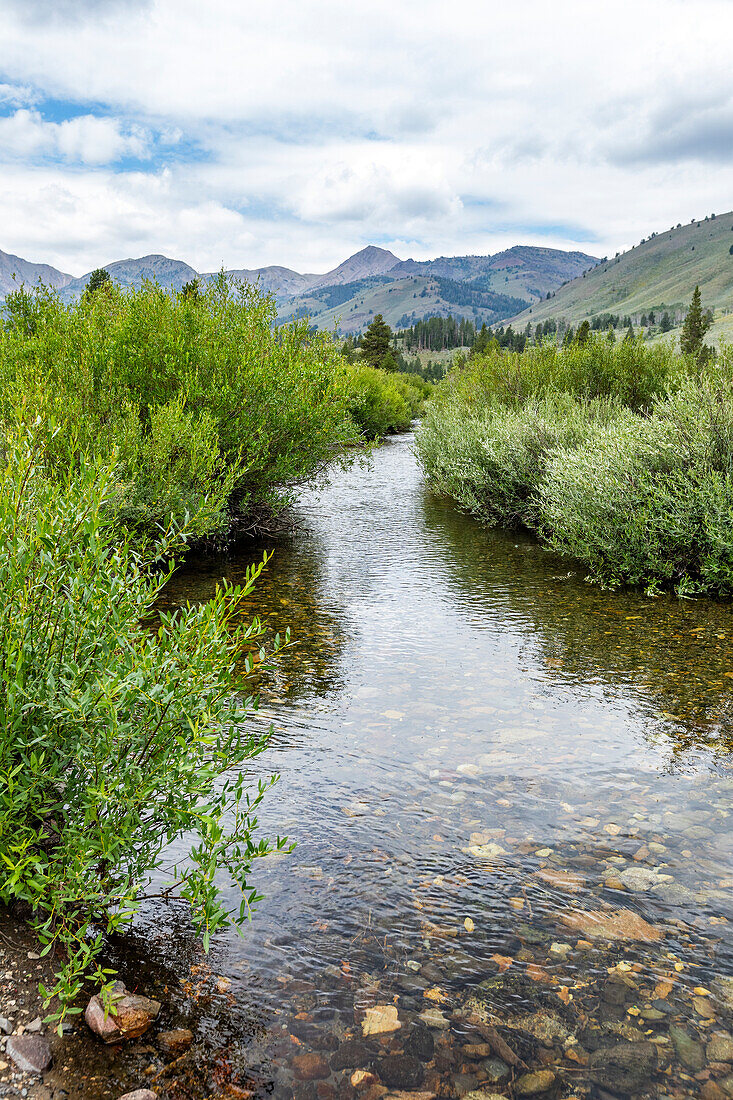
(116, 738)
(493, 462)
(650, 499)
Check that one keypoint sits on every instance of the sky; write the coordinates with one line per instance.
(240, 134)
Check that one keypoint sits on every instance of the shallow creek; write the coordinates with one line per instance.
(511, 795)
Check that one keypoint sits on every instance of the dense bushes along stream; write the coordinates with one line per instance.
(208, 410)
(618, 454)
(132, 424)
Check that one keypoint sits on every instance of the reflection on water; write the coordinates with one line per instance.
(511, 799)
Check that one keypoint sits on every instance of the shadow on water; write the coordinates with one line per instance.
(511, 801)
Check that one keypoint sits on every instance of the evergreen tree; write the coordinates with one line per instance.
(665, 324)
(629, 337)
(696, 325)
(99, 277)
(568, 338)
(375, 343)
(582, 336)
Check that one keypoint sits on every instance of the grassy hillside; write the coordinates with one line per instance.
(658, 274)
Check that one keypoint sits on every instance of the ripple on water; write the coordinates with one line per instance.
(510, 793)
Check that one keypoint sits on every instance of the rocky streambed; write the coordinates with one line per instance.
(511, 795)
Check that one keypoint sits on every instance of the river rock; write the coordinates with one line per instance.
(720, 1047)
(399, 1071)
(611, 924)
(30, 1053)
(129, 1016)
(626, 1067)
(690, 1053)
(310, 1066)
(433, 1017)
(481, 1094)
(641, 879)
(497, 1072)
(529, 1084)
(722, 989)
(175, 1042)
(380, 1020)
(352, 1054)
(139, 1094)
(420, 1043)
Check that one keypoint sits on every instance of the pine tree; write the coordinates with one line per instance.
(376, 341)
(665, 324)
(98, 278)
(696, 325)
(582, 336)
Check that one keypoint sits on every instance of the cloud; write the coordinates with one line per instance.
(85, 139)
(298, 133)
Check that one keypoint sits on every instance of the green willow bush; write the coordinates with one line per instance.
(196, 395)
(649, 501)
(621, 455)
(381, 401)
(115, 738)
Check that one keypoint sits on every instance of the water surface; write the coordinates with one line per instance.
(483, 760)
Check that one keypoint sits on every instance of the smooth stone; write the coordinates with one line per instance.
(641, 879)
(625, 1067)
(399, 1071)
(128, 1018)
(139, 1094)
(351, 1055)
(5, 1025)
(690, 1053)
(482, 1094)
(175, 1042)
(497, 1072)
(420, 1043)
(30, 1053)
(674, 893)
(380, 1020)
(433, 1017)
(720, 1047)
(34, 1026)
(722, 989)
(611, 924)
(310, 1066)
(529, 1084)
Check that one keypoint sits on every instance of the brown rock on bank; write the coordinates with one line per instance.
(129, 1015)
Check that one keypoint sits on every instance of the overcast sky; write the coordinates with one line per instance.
(229, 132)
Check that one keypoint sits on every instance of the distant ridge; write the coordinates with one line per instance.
(373, 280)
(16, 272)
(658, 274)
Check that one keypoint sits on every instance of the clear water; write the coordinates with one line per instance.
(474, 744)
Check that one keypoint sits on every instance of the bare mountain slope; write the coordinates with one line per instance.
(28, 274)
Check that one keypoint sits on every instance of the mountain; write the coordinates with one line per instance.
(27, 273)
(658, 274)
(482, 288)
(373, 280)
(169, 274)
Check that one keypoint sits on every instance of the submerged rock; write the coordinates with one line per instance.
(626, 1067)
(690, 1053)
(310, 1067)
(611, 924)
(420, 1043)
(139, 1094)
(400, 1071)
(351, 1055)
(530, 1084)
(129, 1015)
(175, 1042)
(380, 1020)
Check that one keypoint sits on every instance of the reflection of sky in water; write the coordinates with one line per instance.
(448, 681)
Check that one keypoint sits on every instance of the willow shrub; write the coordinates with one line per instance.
(632, 372)
(381, 401)
(196, 395)
(493, 462)
(116, 739)
(650, 500)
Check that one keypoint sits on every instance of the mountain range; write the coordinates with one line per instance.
(373, 280)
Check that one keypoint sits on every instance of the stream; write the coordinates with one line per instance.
(510, 793)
